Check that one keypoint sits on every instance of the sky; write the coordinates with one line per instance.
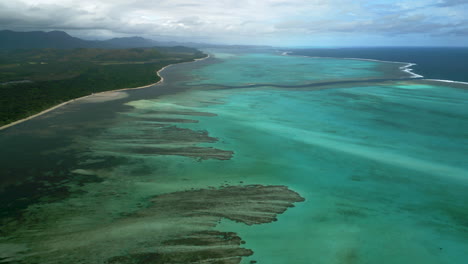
(258, 22)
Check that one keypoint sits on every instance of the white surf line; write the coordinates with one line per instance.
(158, 73)
(447, 81)
(406, 68)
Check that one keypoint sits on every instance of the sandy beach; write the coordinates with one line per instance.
(100, 97)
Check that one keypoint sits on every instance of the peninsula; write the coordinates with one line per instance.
(34, 80)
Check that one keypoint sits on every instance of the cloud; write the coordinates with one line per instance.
(450, 3)
(463, 31)
(236, 21)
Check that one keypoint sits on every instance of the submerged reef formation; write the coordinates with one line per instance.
(203, 209)
(177, 227)
(158, 135)
(251, 204)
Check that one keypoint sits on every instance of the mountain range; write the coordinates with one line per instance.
(61, 40)
(10, 40)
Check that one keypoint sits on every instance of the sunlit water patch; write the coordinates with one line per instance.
(383, 170)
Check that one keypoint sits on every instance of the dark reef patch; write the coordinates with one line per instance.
(166, 135)
(189, 113)
(201, 153)
(177, 227)
(158, 136)
(170, 120)
(251, 204)
(219, 256)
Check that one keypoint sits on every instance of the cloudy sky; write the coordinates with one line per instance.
(272, 22)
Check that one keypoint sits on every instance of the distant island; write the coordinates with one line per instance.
(32, 80)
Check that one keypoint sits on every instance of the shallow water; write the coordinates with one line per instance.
(382, 165)
(261, 68)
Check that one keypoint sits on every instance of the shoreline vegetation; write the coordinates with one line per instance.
(160, 58)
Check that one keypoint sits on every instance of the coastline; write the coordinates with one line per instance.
(406, 68)
(158, 73)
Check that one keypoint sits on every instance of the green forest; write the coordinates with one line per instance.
(36, 79)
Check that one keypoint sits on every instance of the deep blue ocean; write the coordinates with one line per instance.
(432, 63)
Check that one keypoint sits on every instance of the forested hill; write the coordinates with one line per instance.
(10, 40)
(38, 39)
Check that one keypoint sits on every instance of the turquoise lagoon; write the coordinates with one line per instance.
(380, 160)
